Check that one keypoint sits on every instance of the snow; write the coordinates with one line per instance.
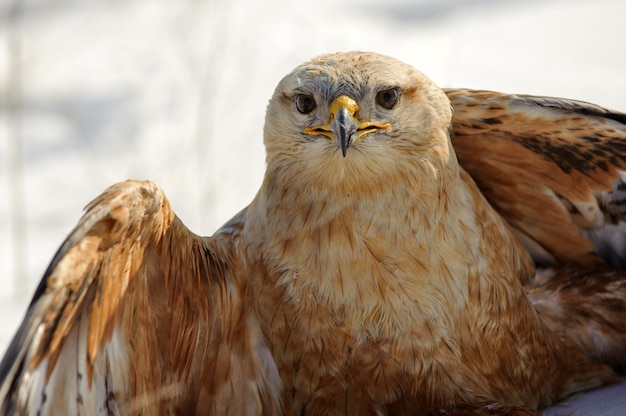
(176, 92)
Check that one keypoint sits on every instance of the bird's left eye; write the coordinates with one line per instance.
(387, 98)
(305, 103)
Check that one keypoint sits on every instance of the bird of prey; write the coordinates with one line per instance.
(411, 251)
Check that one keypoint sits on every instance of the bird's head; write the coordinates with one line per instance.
(355, 114)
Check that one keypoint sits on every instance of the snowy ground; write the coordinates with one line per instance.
(176, 92)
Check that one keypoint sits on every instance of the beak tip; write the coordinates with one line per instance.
(344, 143)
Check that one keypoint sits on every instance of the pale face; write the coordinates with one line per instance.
(355, 113)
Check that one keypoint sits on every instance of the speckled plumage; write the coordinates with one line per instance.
(371, 274)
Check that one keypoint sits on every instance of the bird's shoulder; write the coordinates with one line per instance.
(133, 311)
(553, 167)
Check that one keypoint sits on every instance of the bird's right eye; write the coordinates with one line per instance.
(305, 103)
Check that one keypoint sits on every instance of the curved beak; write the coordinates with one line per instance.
(344, 127)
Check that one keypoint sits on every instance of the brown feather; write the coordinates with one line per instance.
(544, 163)
(131, 267)
(371, 274)
(588, 306)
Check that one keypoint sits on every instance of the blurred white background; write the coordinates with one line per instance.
(98, 91)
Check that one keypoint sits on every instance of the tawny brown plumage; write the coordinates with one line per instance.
(371, 274)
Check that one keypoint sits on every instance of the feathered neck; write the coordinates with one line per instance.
(300, 195)
(341, 245)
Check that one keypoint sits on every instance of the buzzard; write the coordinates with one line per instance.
(411, 250)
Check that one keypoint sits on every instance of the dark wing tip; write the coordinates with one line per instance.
(575, 106)
(12, 363)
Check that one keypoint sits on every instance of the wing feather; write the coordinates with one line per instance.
(137, 314)
(553, 167)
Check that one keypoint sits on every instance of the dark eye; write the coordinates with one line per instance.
(387, 98)
(305, 103)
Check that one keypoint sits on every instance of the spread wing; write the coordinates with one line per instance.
(137, 314)
(555, 168)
